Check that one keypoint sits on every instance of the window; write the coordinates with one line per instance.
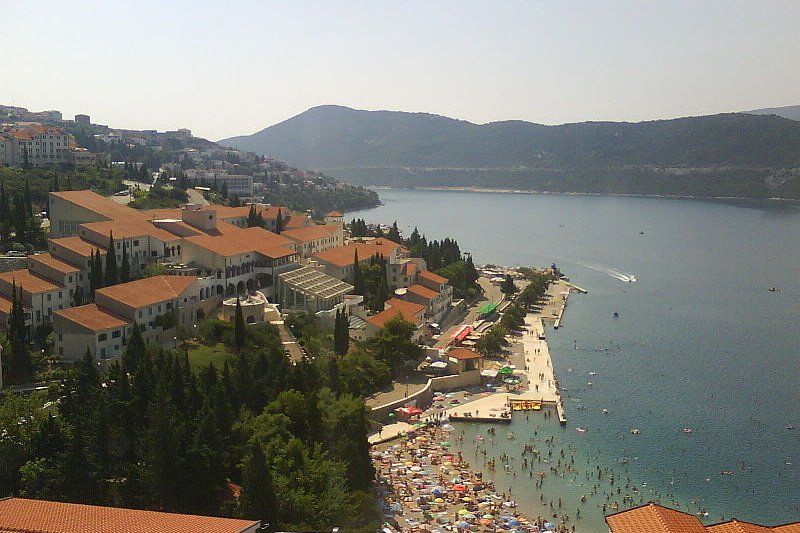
(102, 337)
(102, 353)
(140, 313)
(60, 337)
(159, 308)
(60, 294)
(70, 279)
(116, 347)
(154, 253)
(49, 297)
(169, 305)
(116, 334)
(149, 311)
(136, 242)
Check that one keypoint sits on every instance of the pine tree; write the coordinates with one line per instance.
(112, 276)
(358, 279)
(239, 332)
(258, 501)
(125, 269)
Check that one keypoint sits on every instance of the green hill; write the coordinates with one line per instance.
(732, 154)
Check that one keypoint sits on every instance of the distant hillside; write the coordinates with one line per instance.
(733, 154)
(791, 111)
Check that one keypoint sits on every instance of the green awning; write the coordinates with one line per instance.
(487, 308)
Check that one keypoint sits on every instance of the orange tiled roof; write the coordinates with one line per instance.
(395, 306)
(93, 318)
(424, 292)
(245, 241)
(53, 262)
(335, 214)
(5, 306)
(430, 276)
(342, 256)
(29, 282)
(734, 526)
(653, 518)
(77, 245)
(310, 233)
(127, 228)
(410, 268)
(148, 291)
(100, 205)
(297, 221)
(463, 354)
(794, 527)
(39, 516)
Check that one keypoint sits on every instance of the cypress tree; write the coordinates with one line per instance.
(358, 279)
(341, 333)
(134, 350)
(125, 269)
(98, 271)
(239, 332)
(5, 210)
(279, 223)
(28, 203)
(112, 276)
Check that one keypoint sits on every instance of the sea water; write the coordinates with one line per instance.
(701, 343)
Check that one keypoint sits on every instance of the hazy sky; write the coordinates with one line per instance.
(227, 67)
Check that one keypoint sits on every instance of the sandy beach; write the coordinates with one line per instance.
(417, 471)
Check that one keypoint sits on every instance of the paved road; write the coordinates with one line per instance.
(196, 197)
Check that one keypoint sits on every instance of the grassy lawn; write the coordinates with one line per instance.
(201, 355)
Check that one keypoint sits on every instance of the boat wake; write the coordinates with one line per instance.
(613, 272)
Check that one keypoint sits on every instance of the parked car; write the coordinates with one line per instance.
(14, 253)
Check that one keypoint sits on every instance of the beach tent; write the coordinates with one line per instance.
(489, 373)
(506, 370)
(439, 365)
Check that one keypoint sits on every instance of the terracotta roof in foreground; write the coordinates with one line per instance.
(735, 526)
(148, 291)
(5, 306)
(653, 518)
(794, 527)
(93, 318)
(39, 516)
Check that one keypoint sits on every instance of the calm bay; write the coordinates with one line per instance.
(701, 343)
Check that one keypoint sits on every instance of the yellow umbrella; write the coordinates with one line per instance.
(466, 499)
(438, 500)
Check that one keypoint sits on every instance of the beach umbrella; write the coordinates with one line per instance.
(485, 521)
(459, 488)
(549, 525)
(506, 370)
(438, 500)
(462, 512)
(466, 499)
(487, 515)
(392, 415)
(462, 525)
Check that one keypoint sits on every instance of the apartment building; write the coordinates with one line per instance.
(338, 262)
(157, 305)
(39, 145)
(311, 240)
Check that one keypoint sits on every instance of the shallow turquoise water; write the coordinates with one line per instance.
(700, 343)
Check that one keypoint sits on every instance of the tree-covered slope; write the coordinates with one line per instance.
(735, 153)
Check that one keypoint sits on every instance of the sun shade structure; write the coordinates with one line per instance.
(311, 289)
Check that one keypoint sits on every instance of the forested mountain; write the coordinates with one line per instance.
(733, 154)
(789, 111)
